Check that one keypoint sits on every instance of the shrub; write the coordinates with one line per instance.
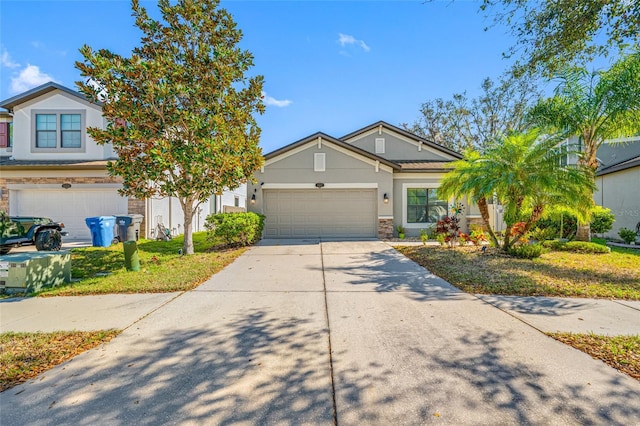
(601, 220)
(235, 229)
(627, 235)
(526, 251)
(585, 247)
(450, 228)
(543, 234)
(559, 222)
(478, 237)
(576, 246)
(557, 245)
(424, 236)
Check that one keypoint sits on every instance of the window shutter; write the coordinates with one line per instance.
(4, 135)
(319, 162)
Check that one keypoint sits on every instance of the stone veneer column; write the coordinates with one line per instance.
(385, 229)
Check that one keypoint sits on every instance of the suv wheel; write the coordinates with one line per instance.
(49, 240)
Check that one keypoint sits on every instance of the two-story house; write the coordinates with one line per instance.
(50, 166)
(362, 185)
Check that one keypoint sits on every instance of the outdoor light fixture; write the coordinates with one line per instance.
(253, 196)
(66, 185)
(385, 198)
(319, 185)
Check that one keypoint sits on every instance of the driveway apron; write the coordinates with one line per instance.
(408, 348)
(262, 342)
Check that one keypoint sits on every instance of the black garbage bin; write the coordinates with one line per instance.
(128, 227)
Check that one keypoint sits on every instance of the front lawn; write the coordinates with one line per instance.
(564, 274)
(101, 269)
(25, 355)
(620, 352)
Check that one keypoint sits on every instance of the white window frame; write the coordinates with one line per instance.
(379, 146)
(319, 162)
(406, 186)
(58, 114)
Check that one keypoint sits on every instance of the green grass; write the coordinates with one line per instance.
(25, 355)
(620, 352)
(101, 269)
(565, 274)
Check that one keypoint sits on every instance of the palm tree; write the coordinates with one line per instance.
(595, 107)
(526, 174)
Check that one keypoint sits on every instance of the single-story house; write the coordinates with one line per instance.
(51, 167)
(362, 185)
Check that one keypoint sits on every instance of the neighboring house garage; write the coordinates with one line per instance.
(328, 213)
(70, 206)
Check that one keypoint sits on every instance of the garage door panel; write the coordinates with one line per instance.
(69, 206)
(320, 213)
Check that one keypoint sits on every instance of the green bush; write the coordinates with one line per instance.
(601, 220)
(627, 235)
(526, 251)
(557, 245)
(236, 229)
(543, 234)
(576, 246)
(585, 247)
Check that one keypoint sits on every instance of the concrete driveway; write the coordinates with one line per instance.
(298, 332)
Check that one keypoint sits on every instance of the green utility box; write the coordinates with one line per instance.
(34, 271)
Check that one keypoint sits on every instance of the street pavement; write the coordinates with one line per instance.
(353, 333)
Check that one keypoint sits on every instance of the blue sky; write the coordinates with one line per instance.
(331, 66)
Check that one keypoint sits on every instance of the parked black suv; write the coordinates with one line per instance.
(41, 231)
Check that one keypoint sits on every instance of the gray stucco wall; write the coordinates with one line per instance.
(620, 192)
(341, 168)
(397, 148)
(399, 187)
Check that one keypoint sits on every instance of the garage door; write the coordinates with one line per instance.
(69, 206)
(330, 213)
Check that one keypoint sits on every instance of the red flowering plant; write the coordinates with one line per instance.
(450, 225)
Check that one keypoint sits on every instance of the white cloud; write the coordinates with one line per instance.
(345, 39)
(268, 100)
(28, 78)
(6, 61)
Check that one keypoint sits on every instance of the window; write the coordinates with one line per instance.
(236, 201)
(46, 131)
(58, 131)
(379, 145)
(9, 135)
(319, 162)
(423, 206)
(70, 127)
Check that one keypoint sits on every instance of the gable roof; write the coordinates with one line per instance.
(39, 91)
(624, 165)
(404, 133)
(332, 140)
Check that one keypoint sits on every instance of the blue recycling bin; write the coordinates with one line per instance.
(101, 230)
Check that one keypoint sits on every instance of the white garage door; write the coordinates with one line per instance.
(70, 206)
(331, 213)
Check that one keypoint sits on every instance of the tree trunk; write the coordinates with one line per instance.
(187, 210)
(584, 232)
(484, 212)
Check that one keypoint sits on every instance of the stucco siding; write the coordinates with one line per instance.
(341, 169)
(56, 101)
(397, 148)
(619, 192)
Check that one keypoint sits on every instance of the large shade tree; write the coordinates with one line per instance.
(463, 122)
(550, 35)
(181, 108)
(526, 175)
(594, 106)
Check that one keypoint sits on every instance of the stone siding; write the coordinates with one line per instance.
(385, 229)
